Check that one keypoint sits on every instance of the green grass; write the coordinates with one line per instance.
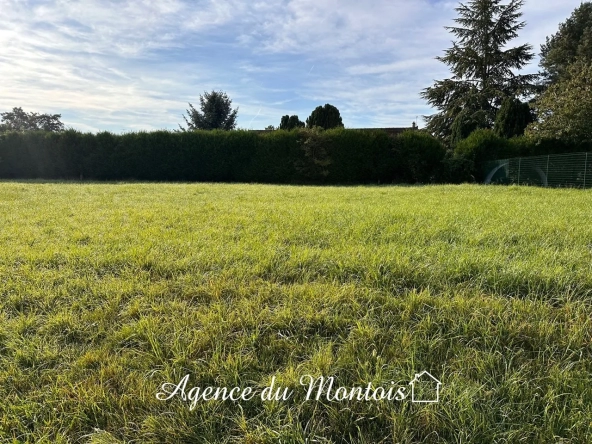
(109, 290)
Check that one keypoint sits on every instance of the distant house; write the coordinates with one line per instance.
(425, 388)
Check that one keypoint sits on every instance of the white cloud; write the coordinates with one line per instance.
(135, 64)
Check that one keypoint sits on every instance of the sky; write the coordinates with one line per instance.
(130, 65)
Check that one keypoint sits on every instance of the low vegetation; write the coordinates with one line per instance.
(109, 290)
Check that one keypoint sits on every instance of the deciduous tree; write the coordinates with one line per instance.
(572, 40)
(564, 110)
(19, 120)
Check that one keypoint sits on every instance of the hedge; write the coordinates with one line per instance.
(337, 156)
(298, 156)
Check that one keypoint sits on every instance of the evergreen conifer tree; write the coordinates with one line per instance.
(482, 67)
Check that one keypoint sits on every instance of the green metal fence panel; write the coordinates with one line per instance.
(572, 170)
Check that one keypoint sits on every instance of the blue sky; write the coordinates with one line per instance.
(134, 65)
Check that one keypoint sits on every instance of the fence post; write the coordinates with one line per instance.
(548, 156)
(585, 169)
(519, 160)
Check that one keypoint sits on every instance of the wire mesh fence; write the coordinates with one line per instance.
(555, 170)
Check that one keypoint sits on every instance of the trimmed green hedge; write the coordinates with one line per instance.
(336, 156)
(299, 156)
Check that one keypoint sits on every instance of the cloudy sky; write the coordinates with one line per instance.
(125, 65)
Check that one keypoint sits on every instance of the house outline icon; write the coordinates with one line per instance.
(427, 376)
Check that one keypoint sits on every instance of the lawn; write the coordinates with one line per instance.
(110, 291)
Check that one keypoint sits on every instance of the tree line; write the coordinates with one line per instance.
(216, 113)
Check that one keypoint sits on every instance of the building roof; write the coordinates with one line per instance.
(390, 131)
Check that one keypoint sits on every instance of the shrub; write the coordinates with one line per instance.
(544, 146)
(482, 145)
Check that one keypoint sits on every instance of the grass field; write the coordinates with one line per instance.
(107, 291)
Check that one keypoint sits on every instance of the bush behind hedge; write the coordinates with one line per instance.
(483, 145)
